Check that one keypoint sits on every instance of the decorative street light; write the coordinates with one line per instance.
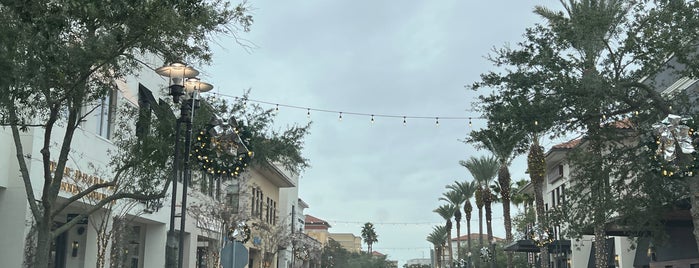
(189, 90)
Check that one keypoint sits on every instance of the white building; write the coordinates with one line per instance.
(144, 235)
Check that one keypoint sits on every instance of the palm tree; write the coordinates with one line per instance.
(446, 211)
(520, 198)
(588, 27)
(438, 237)
(369, 235)
(483, 170)
(455, 198)
(467, 190)
(504, 143)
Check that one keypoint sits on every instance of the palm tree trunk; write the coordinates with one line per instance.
(480, 227)
(504, 179)
(451, 253)
(694, 199)
(489, 229)
(458, 241)
(468, 231)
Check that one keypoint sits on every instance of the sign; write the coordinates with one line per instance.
(234, 255)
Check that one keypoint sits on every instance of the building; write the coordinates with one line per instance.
(317, 229)
(348, 241)
(139, 230)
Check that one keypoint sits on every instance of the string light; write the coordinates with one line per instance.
(536, 122)
(341, 114)
(437, 121)
(405, 123)
(372, 119)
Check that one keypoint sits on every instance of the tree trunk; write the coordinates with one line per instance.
(458, 241)
(504, 179)
(468, 232)
(480, 227)
(694, 199)
(600, 247)
(489, 229)
(540, 215)
(451, 252)
(43, 245)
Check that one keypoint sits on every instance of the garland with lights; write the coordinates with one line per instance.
(486, 255)
(540, 236)
(223, 154)
(672, 148)
(239, 232)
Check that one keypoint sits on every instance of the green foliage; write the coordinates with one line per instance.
(63, 57)
(369, 235)
(519, 258)
(580, 72)
(334, 255)
(269, 145)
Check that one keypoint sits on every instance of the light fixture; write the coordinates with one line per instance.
(195, 84)
(177, 71)
(75, 247)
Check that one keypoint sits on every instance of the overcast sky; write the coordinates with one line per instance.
(409, 58)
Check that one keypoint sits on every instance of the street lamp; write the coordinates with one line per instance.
(190, 88)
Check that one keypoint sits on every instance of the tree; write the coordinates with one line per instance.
(467, 190)
(46, 93)
(591, 65)
(504, 144)
(455, 198)
(446, 211)
(536, 166)
(369, 235)
(438, 237)
(483, 170)
(334, 255)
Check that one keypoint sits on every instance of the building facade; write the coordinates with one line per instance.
(137, 231)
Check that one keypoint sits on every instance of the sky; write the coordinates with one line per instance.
(399, 58)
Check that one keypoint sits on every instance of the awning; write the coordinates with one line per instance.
(556, 246)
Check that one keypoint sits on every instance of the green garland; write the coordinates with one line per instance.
(212, 159)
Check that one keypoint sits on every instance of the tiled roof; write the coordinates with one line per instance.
(310, 220)
(567, 145)
(378, 254)
(622, 124)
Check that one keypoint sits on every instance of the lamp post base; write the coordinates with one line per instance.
(171, 251)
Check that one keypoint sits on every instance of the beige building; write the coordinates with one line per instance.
(317, 229)
(348, 241)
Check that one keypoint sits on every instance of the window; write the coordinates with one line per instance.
(560, 170)
(105, 113)
(271, 213)
(256, 210)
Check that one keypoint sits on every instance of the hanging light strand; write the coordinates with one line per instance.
(342, 113)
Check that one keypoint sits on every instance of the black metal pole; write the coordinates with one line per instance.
(187, 115)
(171, 244)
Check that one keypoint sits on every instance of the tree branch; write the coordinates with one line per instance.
(91, 189)
(26, 179)
(102, 203)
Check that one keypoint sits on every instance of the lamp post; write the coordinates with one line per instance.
(190, 89)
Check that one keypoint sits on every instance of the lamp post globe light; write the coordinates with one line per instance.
(184, 85)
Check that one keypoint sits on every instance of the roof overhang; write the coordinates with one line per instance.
(275, 175)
